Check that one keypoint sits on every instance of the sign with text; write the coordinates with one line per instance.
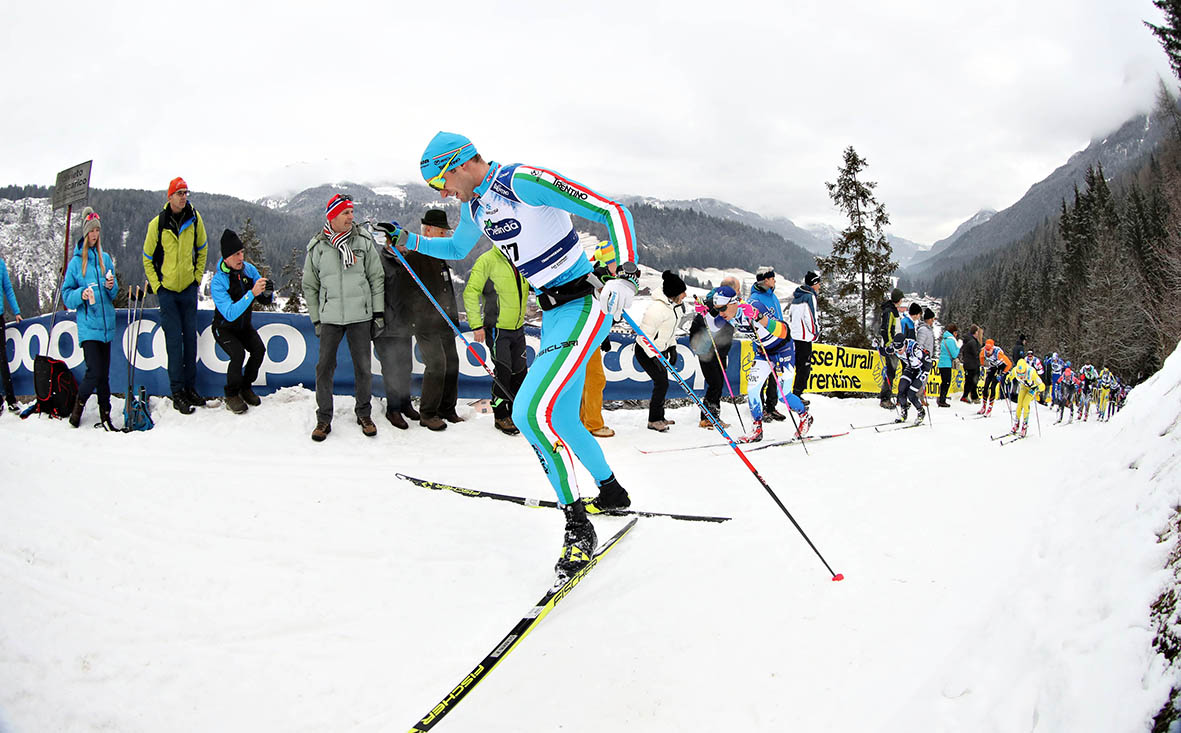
(73, 185)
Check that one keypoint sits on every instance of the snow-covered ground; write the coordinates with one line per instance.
(225, 573)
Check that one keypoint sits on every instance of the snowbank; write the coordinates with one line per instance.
(226, 573)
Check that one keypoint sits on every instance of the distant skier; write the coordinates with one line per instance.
(916, 366)
(992, 358)
(1066, 391)
(1055, 365)
(772, 341)
(1090, 391)
(1029, 386)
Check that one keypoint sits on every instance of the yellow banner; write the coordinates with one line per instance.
(845, 369)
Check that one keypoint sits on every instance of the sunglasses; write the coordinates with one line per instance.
(437, 181)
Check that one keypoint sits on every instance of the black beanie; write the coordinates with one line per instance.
(928, 314)
(673, 284)
(230, 243)
(915, 309)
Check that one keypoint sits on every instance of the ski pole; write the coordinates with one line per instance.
(720, 429)
(718, 355)
(783, 396)
(1037, 417)
(471, 349)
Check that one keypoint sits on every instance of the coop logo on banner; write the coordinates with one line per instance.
(292, 350)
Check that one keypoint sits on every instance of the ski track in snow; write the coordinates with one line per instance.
(226, 573)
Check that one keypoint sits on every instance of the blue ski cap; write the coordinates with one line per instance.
(723, 296)
(439, 152)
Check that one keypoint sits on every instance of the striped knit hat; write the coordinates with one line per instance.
(336, 206)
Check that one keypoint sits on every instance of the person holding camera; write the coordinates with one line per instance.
(236, 286)
(660, 324)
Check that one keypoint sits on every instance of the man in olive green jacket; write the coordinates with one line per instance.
(175, 250)
(344, 288)
(504, 304)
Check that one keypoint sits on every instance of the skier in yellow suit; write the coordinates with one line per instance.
(1029, 386)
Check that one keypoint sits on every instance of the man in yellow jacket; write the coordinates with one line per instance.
(175, 250)
(1029, 385)
(500, 324)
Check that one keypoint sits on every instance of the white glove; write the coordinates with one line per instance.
(616, 296)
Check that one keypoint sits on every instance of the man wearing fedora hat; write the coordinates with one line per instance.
(436, 341)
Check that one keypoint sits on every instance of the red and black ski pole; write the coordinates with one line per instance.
(718, 426)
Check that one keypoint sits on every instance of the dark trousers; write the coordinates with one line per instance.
(770, 395)
(396, 356)
(440, 375)
(508, 360)
(4, 373)
(990, 383)
(331, 335)
(236, 344)
(889, 371)
(97, 355)
(971, 379)
(659, 375)
(713, 368)
(944, 383)
(803, 367)
(911, 386)
(178, 318)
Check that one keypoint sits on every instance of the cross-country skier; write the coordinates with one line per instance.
(1029, 386)
(756, 323)
(1055, 365)
(525, 211)
(1090, 391)
(1065, 397)
(1038, 367)
(992, 358)
(916, 366)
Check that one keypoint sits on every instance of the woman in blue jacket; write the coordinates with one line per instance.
(89, 289)
(949, 349)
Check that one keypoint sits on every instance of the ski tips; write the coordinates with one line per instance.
(838, 576)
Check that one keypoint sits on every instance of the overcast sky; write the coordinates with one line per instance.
(957, 106)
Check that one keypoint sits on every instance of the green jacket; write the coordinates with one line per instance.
(511, 290)
(174, 256)
(339, 295)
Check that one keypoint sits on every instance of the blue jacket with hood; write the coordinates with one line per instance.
(96, 322)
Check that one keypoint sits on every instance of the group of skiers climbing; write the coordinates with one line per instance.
(908, 340)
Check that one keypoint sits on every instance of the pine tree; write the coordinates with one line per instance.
(255, 256)
(859, 263)
(293, 276)
(1169, 33)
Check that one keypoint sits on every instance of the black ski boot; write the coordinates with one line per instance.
(578, 544)
(612, 498)
(104, 419)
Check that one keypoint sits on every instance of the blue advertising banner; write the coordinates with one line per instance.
(292, 352)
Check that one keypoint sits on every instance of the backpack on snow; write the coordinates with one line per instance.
(57, 390)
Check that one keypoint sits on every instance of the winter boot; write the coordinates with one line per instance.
(235, 404)
(902, 415)
(396, 419)
(249, 397)
(983, 408)
(76, 415)
(612, 498)
(321, 431)
(104, 419)
(922, 415)
(659, 426)
(804, 426)
(887, 404)
(988, 409)
(1016, 427)
(411, 413)
(181, 403)
(506, 426)
(195, 399)
(756, 433)
(1024, 427)
(578, 543)
(770, 413)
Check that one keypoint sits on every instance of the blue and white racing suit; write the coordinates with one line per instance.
(525, 211)
(773, 341)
